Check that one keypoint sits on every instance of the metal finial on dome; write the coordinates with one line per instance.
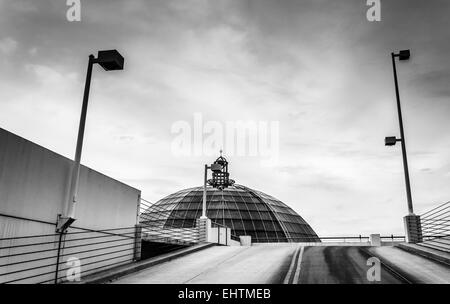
(221, 179)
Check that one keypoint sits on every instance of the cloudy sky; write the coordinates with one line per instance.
(319, 68)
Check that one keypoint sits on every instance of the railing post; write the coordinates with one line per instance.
(137, 242)
(58, 255)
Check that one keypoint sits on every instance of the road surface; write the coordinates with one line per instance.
(288, 264)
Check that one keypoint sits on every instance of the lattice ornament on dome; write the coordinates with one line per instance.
(221, 179)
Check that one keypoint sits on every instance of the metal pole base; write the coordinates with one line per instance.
(204, 229)
(413, 228)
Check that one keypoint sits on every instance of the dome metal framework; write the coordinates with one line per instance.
(244, 210)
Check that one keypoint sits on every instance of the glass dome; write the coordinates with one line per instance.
(245, 211)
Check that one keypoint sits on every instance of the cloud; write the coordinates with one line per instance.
(49, 76)
(433, 83)
(8, 45)
(317, 67)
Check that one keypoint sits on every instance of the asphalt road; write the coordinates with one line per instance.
(336, 265)
(218, 265)
(288, 264)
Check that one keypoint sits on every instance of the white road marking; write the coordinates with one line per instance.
(299, 263)
(291, 267)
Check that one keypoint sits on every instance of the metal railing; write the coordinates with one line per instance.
(325, 239)
(436, 224)
(235, 238)
(48, 258)
(160, 224)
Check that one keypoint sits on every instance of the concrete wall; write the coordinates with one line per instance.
(34, 184)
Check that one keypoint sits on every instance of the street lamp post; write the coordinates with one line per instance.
(220, 180)
(412, 221)
(214, 168)
(109, 60)
(203, 223)
(403, 55)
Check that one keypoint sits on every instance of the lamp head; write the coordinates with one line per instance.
(390, 141)
(216, 168)
(404, 55)
(110, 60)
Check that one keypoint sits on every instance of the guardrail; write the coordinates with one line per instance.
(50, 257)
(235, 238)
(436, 222)
(327, 239)
(161, 225)
(436, 228)
(47, 258)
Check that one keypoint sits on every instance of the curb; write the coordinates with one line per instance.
(428, 253)
(120, 271)
(392, 268)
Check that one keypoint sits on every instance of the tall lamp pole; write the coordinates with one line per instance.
(205, 180)
(214, 168)
(412, 221)
(109, 60)
(403, 55)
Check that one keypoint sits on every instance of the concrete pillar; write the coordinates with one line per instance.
(413, 228)
(204, 229)
(246, 240)
(137, 242)
(375, 240)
